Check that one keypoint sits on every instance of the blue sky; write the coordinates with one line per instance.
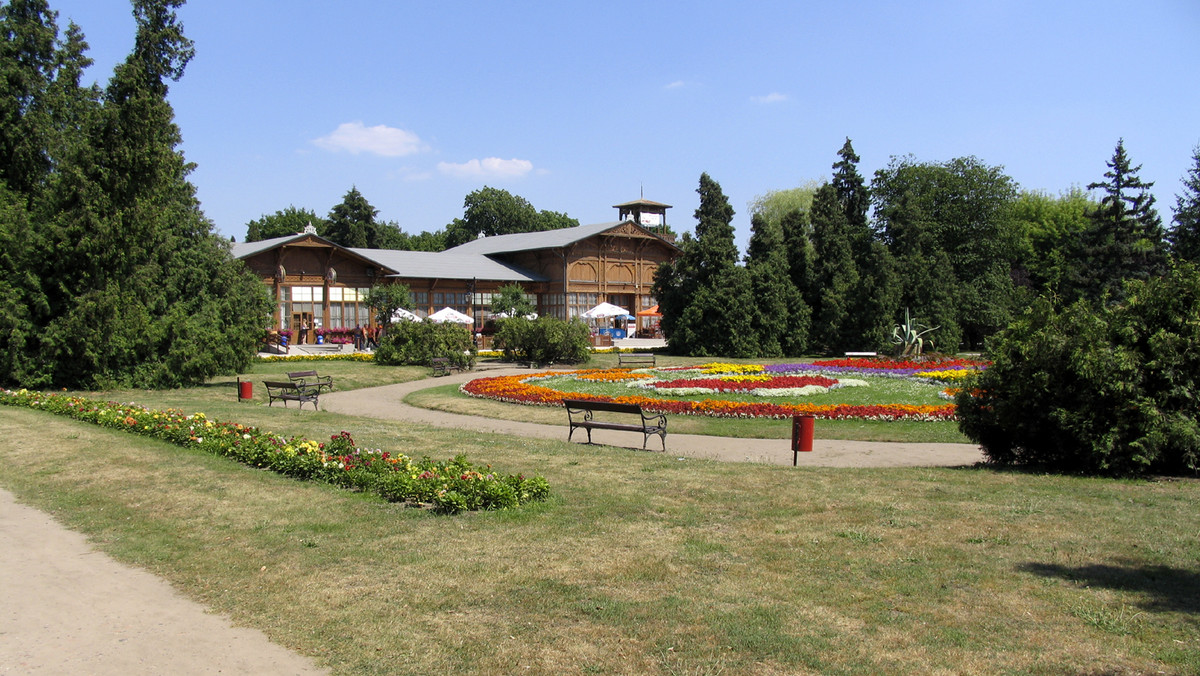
(579, 106)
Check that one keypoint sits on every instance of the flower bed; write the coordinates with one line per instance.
(448, 487)
(773, 380)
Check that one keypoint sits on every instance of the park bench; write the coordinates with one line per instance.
(290, 391)
(310, 378)
(632, 358)
(442, 366)
(580, 413)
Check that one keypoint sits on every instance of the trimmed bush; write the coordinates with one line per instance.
(544, 340)
(420, 342)
(1096, 388)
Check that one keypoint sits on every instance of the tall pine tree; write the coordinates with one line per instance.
(837, 277)
(1185, 236)
(1124, 239)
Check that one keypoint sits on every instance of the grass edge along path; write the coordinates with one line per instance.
(448, 487)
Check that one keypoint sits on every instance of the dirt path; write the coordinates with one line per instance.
(387, 403)
(66, 608)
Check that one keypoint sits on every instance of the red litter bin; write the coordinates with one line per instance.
(245, 389)
(802, 436)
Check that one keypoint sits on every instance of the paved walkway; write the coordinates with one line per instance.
(387, 403)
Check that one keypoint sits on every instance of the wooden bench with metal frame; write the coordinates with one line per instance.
(442, 366)
(310, 378)
(643, 358)
(580, 414)
(290, 391)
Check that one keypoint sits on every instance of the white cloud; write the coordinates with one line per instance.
(354, 137)
(491, 167)
(773, 97)
(675, 85)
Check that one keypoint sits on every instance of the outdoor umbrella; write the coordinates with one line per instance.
(604, 310)
(402, 315)
(449, 314)
(650, 312)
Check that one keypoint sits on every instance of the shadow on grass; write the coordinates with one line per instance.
(1166, 588)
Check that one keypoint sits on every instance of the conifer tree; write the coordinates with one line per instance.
(1185, 236)
(350, 223)
(1124, 238)
(135, 288)
(837, 277)
(779, 316)
(704, 294)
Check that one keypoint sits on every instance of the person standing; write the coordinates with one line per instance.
(359, 343)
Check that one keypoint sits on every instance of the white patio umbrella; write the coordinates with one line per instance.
(402, 315)
(449, 314)
(604, 310)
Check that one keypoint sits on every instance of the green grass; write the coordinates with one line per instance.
(641, 563)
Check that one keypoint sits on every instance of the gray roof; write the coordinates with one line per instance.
(446, 265)
(528, 241)
(247, 249)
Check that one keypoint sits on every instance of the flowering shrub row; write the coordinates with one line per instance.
(522, 389)
(348, 356)
(449, 487)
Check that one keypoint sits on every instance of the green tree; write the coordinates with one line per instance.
(1185, 236)
(289, 221)
(385, 299)
(512, 301)
(1049, 228)
(42, 105)
(703, 295)
(492, 211)
(836, 273)
(352, 221)
(950, 227)
(779, 316)
(1124, 239)
(1096, 387)
(134, 286)
(775, 204)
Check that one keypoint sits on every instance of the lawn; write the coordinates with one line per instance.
(640, 562)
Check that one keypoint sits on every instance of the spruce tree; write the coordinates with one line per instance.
(351, 222)
(1185, 236)
(1124, 239)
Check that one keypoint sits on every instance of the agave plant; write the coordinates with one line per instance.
(910, 336)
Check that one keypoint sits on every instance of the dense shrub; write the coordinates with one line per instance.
(544, 340)
(420, 342)
(1096, 388)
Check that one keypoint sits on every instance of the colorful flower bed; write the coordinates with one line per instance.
(781, 380)
(448, 487)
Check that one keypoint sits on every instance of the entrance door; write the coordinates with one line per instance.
(302, 325)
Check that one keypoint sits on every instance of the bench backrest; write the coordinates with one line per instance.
(636, 355)
(272, 385)
(302, 374)
(587, 404)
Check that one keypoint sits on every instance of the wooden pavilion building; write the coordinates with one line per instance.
(320, 286)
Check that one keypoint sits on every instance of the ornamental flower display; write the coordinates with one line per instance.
(449, 487)
(775, 381)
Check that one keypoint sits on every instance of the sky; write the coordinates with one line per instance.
(580, 106)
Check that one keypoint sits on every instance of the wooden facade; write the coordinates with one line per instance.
(319, 285)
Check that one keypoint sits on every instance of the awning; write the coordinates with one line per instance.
(650, 312)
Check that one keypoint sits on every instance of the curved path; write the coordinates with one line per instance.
(387, 403)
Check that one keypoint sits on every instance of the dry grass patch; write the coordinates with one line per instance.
(642, 563)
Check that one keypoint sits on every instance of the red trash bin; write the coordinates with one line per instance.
(802, 436)
(245, 389)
